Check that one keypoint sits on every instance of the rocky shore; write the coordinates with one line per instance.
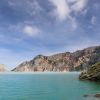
(97, 95)
(92, 74)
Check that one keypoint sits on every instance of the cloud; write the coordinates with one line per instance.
(79, 5)
(31, 31)
(64, 8)
(61, 10)
(93, 20)
(71, 1)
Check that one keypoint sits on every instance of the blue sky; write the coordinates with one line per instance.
(32, 27)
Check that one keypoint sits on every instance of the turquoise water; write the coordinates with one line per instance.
(59, 86)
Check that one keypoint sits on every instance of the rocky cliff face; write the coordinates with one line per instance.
(92, 74)
(67, 61)
(2, 68)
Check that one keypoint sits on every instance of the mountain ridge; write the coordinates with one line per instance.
(67, 61)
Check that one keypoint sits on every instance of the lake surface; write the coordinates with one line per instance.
(43, 86)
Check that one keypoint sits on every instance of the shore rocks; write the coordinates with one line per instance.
(97, 95)
(92, 95)
(92, 74)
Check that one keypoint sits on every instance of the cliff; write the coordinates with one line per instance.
(67, 61)
(2, 68)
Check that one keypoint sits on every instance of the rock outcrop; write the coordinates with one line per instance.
(67, 61)
(92, 74)
(2, 68)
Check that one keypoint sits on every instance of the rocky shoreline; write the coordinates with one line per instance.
(92, 74)
(97, 95)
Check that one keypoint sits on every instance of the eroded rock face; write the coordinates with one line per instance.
(92, 74)
(67, 61)
(2, 68)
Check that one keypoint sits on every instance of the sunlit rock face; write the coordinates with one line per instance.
(62, 62)
(2, 68)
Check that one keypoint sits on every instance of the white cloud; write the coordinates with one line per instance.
(61, 10)
(79, 5)
(31, 31)
(64, 8)
(25, 28)
(71, 1)
(93, 20)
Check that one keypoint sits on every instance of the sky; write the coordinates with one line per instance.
(32, 27)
